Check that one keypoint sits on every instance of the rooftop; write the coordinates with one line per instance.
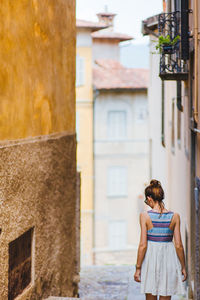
(108, 34)
(106, 14)
(111, 75)
(90, 25)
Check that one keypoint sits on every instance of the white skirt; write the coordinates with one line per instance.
(161, 270)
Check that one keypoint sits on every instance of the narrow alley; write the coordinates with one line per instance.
(110, 282)
(100, 150)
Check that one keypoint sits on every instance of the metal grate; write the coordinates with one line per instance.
(172, 66)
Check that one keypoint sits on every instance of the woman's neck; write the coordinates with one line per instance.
(157, 207)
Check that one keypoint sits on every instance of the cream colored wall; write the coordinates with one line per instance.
(84, 106)
(157, 151)
(84, 92)
(171, 168)
(109, 48)
(131, 153)
(178, 164)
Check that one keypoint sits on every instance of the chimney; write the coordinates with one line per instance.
(106, 17)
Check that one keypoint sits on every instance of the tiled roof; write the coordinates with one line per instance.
(91, 25)
(109, 74)
(108, 34)
(106, 13)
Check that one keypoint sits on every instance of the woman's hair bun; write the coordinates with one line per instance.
(155, 183)
(155, 191)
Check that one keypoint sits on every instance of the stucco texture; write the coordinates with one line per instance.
(38, 190)
(37, 74)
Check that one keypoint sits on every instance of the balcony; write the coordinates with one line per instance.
(173, 27)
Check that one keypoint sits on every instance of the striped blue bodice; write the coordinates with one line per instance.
(160, 231)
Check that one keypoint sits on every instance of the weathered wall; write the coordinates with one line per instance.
(37, 58)
(37, 143)
(38, 189)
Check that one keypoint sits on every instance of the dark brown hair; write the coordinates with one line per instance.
(155, 191)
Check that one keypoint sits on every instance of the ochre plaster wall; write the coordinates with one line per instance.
(37, 74)
(37, 142)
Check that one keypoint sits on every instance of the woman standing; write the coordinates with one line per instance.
(160, 262)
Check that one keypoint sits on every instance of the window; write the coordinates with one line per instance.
(117, 234)
(163, 114)
(117, 181)
(117, 124)
(80, 70)
(19, 276)
(77, 127)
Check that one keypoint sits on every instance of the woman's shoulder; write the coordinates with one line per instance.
(144, 214)
(176, 216)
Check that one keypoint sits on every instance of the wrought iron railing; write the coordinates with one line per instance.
(173, 62)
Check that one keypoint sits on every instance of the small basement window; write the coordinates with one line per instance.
(19, 275)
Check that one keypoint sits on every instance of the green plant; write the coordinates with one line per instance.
(162, 41)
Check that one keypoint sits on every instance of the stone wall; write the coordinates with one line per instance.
(38, 191)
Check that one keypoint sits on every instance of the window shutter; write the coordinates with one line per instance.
(117, 127)
(117, 234)
(117, 181)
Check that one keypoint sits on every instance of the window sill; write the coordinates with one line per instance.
(26, 292)
(117, 196)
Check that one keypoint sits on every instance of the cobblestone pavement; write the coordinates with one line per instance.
(110, 282)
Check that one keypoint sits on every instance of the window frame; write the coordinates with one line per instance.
(117, 193)
(110, 132)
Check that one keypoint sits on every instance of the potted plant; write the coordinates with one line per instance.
(166, 45)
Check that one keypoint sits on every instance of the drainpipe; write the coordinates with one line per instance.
(195, 113)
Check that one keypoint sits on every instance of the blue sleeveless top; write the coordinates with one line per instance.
(160, 231)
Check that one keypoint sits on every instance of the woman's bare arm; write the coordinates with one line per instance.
(143, 241)
(179, 245)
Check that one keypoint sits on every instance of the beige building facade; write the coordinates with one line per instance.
(38, 198)
(178, 121)
(121, 153)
